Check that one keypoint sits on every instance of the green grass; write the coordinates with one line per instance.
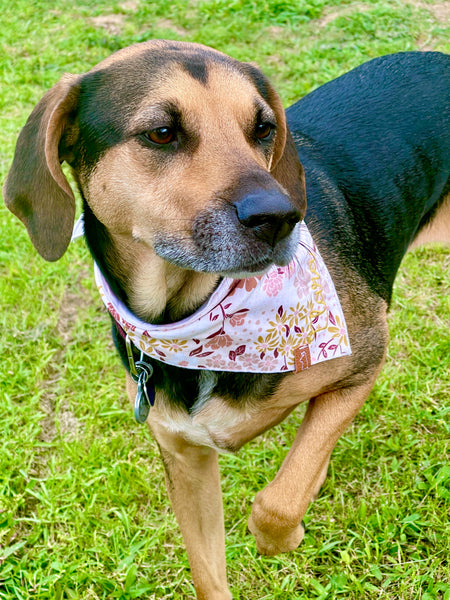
(83, 509)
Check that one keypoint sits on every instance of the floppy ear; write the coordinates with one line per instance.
(36, 189)
(285, 166)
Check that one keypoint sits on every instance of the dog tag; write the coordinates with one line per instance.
(143, 400)
(140, 372)
(141, 403)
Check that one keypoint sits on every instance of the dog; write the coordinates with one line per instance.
(194, 177)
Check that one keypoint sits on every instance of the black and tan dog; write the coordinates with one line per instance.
(189, 171)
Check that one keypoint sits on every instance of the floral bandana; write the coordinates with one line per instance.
(285, 320)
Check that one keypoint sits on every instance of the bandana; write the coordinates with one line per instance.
(285, 320)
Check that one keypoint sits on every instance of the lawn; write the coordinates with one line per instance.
(83, 508)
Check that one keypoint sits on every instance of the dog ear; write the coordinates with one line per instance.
(36, 190)
(285, 165)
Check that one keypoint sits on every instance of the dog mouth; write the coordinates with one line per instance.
(238, 235)
(255, 268)
(224, 250)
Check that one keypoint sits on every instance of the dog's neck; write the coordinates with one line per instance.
(159, 292)
(153, 289)
(287, 319)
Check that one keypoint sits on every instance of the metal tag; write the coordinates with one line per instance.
(140, 372)
(142, 401)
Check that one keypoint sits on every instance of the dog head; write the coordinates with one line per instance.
(176, 148)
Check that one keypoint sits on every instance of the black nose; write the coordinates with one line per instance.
(269, 213)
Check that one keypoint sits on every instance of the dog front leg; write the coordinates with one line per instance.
(278, 510)
(193, 485)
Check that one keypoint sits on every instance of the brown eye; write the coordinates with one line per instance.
(264, 130)
(161, 135)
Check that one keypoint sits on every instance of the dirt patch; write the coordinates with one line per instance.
(113, 24)
(68, 312)
(168, 24)
(48, 426)
(73, 301)
(441, 11)
(68, 425)
(276, 60)
(276, 32)
(342, 12)
(130, 5)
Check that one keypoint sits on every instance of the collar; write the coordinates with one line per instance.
(285, 320)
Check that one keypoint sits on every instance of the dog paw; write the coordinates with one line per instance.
(271, 544)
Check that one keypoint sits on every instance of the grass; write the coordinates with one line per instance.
(83, 509)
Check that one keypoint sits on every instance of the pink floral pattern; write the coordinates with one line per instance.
(285, 320)
(219, 340)
(273, 282)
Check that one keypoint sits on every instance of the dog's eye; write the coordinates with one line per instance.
(161, 135)
(264, 130)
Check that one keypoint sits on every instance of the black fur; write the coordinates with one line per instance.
(375, 146)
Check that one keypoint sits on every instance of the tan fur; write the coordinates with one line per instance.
(137, 200)
(438, 230)
(178, 195)
(276, 524)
